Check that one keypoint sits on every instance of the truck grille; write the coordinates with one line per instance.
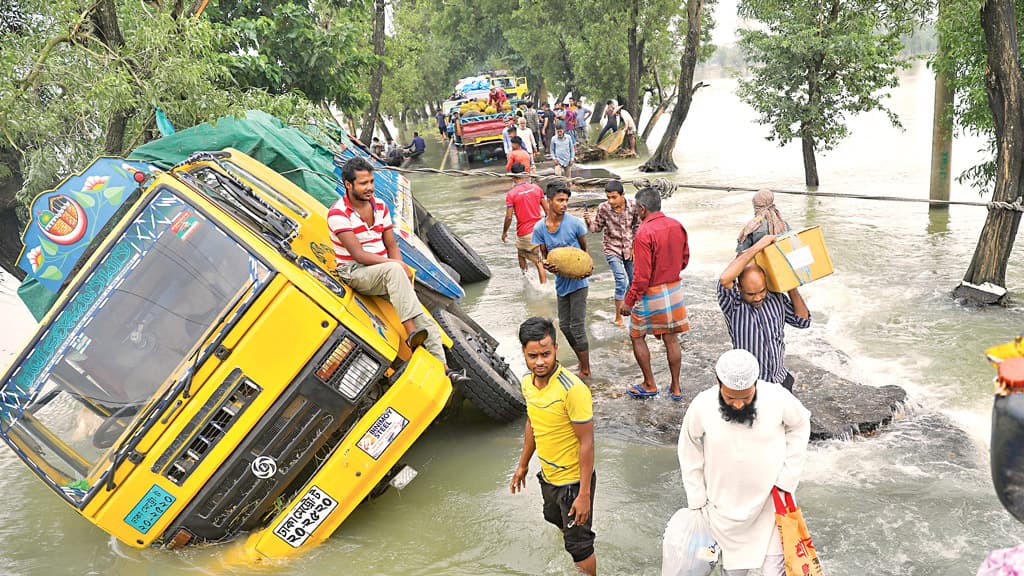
(301, 426)
(214, 419)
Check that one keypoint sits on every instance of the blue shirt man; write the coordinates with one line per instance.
(557, 230)
(563, 152)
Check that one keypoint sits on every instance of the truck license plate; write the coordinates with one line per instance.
(304, 518)
(149, 509)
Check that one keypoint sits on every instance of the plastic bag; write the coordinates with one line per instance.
(1004, 562)
(689, 548)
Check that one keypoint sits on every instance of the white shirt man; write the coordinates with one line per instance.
(529, 142)
(739, 439)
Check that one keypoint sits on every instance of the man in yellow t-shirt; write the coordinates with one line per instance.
(560, 429)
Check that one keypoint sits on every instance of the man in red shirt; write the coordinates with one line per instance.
(526, 201)
(654, 302)
(517, 154)
(497, 98)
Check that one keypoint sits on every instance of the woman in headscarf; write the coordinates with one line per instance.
(766, 220)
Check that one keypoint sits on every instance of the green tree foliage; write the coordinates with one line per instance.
(817, 62)
(61, 83)
(964, 63)
(316, 48)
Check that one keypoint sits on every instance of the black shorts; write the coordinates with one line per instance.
(579, 539)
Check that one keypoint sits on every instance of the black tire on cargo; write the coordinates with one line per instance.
(491, 386)
(451, 250)
(452, 272)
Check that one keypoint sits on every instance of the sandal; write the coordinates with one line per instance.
(637, 392)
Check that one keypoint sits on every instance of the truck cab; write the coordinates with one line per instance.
(204, 374)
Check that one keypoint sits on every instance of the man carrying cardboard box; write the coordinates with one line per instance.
(756, 317)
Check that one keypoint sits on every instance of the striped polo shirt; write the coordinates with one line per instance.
(343, 218)
(759, 330)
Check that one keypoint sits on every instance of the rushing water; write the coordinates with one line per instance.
(915, 499)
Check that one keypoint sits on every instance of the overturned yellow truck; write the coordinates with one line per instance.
(204, 375)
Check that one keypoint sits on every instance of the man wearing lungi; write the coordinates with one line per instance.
(654, 302)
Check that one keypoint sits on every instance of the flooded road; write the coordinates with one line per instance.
(915, 499)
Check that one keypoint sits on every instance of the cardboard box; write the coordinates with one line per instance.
(795, 259)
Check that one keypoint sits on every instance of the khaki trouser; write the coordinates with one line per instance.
(389, 280)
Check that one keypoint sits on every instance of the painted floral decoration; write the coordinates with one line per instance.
(95, 183)
(35, 258)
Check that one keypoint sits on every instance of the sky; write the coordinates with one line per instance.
(726, 21)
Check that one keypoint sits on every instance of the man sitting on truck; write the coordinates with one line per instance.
(497, 98)
(368, 258)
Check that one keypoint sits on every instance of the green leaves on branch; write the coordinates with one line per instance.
(312, 48)
(818, 62)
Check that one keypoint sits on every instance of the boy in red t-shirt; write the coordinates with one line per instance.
(517, 154)
(527, 202)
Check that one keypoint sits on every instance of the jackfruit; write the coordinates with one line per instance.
(571, 262)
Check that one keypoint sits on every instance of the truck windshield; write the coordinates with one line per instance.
(129, 327)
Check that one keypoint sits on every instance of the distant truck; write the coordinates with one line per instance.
(481, 136)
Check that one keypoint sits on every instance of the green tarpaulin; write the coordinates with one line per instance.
(261, 136)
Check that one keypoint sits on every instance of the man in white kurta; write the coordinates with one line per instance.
(730, 465)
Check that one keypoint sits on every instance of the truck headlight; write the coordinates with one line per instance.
(348, 368)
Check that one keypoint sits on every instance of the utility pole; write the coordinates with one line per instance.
(942, 134)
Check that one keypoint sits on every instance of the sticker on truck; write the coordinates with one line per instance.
(305, 517)
(383, 432)
(152, 506)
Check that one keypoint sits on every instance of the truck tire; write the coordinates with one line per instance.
(451, 250)
(491, 386)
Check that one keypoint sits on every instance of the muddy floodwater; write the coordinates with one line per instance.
(914, 499)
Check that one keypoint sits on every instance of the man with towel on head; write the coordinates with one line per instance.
(654, 302)
(740, 439)
(766, 220)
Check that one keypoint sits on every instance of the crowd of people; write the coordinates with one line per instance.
(552, 129)
(740, 438)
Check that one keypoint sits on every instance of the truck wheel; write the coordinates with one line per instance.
(422, 220)
(491, 385)
(452, 272)
(451, 250)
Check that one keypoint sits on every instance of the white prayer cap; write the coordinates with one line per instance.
(737, 369)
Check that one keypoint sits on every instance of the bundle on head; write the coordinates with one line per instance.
(571, 262)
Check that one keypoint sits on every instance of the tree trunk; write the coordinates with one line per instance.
(113, 144)
(662, 160)
(633, 48)
(595, 118)
(384, 127)
(377, 79)
(810, 163)
(108, 30)
(10, 228)
(570, 77)
(1004, 86)
(662, 107)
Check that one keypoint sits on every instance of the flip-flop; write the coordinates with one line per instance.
(676, 397)
(637, 392)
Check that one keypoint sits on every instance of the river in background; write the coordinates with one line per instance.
(915, 499)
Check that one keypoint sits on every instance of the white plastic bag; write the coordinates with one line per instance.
(689, 548)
